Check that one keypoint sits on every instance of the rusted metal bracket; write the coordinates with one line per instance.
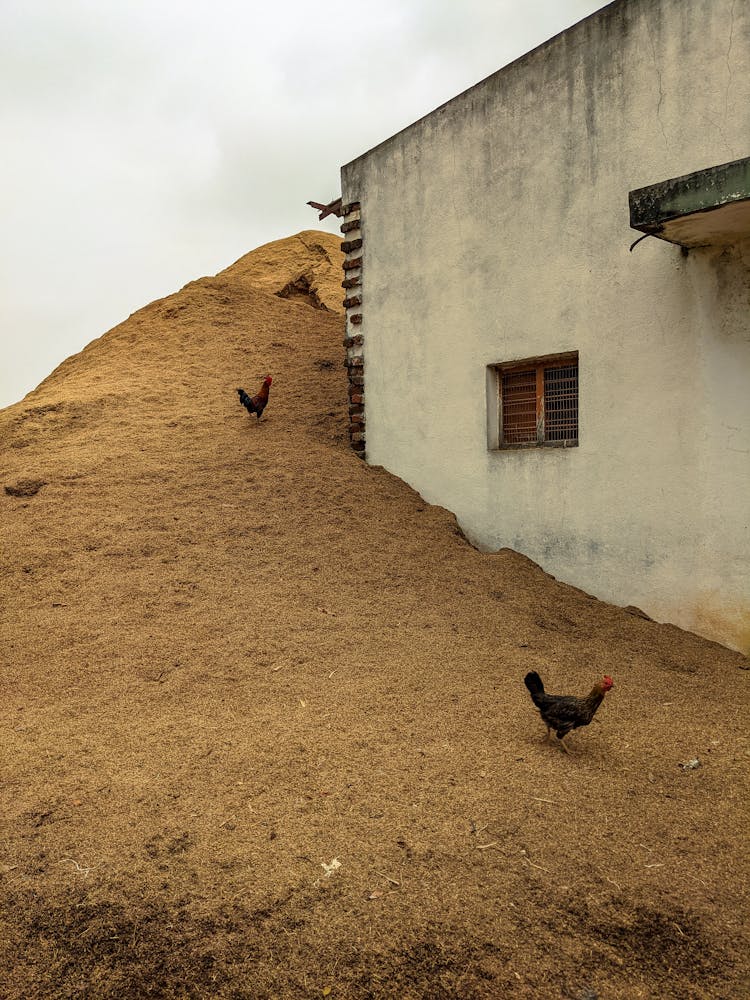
(332, 208)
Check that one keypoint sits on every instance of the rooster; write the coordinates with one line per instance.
(256, 404)
(563, 712)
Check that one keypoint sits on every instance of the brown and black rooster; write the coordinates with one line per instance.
(564, 712)
(256, 404)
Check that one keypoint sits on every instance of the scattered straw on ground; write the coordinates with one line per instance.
(264, 726)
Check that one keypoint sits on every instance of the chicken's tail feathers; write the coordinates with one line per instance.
(246, 400)
(533, 682)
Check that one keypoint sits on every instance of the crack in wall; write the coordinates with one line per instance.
(729, 73)
(453, 190)
(661, 89)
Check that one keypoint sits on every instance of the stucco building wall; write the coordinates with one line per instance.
(496, 229)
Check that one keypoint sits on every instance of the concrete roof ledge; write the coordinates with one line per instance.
(707, 208)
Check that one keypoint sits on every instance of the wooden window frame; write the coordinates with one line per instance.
(538, 364)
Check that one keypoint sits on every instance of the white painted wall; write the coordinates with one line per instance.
(496, 228)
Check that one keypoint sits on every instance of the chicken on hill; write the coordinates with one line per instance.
(256, 404)
(563, 712)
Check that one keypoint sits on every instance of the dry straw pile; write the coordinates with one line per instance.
(264, 727)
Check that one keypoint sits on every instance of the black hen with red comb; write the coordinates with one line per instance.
(565, 712)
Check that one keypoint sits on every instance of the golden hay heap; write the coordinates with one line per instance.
(264, 725)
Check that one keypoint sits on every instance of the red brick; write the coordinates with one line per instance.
(349, 245)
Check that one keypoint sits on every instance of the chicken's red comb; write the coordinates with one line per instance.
(268, 379)
(608, 682)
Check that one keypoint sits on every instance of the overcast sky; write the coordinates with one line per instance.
(150, 142)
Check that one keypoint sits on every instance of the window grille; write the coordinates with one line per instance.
(519, 406)
(539, 402)
(561, 403)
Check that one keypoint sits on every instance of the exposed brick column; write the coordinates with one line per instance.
(354, 339)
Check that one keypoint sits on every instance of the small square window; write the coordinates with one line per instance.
(536, 403)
